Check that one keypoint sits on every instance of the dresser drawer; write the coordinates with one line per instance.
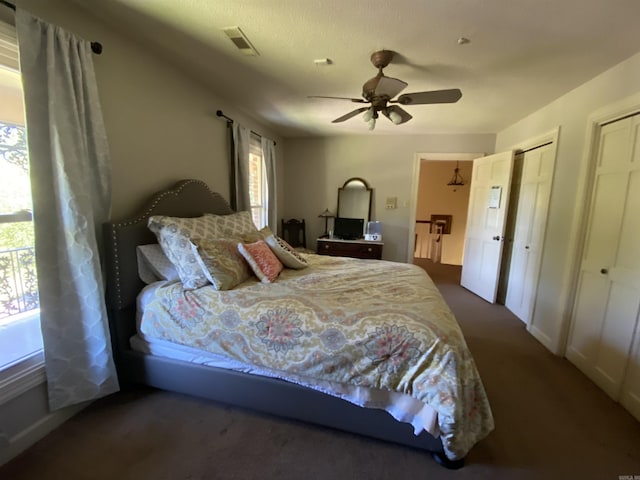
(354, 249)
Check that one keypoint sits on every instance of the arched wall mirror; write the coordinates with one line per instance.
(354, 199)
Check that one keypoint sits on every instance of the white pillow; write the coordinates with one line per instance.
(289, 257)
(153, 264)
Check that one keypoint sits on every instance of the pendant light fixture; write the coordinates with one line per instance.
(456, 179)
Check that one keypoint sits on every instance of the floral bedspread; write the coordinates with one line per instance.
(366, 323)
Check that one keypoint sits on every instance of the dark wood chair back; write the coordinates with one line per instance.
(293, 232)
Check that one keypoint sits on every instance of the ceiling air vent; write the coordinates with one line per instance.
(240, 40)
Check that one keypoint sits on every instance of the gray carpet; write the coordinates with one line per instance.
(551, 423)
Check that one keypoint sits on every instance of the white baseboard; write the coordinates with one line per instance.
(543, 338)
(35, 432)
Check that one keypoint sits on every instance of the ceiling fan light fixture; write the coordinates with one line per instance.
(368, 115)
(372, 123)
(395, 117)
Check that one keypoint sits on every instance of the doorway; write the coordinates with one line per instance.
(525, 229)
(527, 275)
(604, 340)
(439, 253)
(420, 217)
(441, 211)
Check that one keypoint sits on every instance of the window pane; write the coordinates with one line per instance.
(257, 184)
(18, 282)
(20, 334)
(255, 180)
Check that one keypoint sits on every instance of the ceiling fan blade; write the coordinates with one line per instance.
(396, 114)
(355, 100)
(389, 87)
(350, 114)
(434, 96)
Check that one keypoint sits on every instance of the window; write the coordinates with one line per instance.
(20, 336)
(258, 190)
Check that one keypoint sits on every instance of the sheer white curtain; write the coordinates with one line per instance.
(71, 184)
(269, 157)
(241, 149)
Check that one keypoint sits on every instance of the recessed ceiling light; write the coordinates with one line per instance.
(463, 41)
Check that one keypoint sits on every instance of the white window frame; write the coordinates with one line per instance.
(26, 372)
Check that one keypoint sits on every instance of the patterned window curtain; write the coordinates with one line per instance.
(71, 185)
(269, 157)
(241, 149)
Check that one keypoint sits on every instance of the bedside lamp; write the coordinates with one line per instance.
(326, 215)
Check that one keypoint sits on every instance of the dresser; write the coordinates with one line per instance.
(350, 248)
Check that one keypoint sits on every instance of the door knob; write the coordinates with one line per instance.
(497, 238)
(526, 247)
(604, 271)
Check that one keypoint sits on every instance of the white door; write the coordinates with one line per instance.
(530, 223)
(605, 314)
(484, 235)
(631, 386)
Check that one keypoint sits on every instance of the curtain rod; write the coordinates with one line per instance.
(230, 120)
(96, 47)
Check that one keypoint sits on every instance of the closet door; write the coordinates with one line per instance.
(531, 220)
(630, 241)
(605, 313)
(631, 386)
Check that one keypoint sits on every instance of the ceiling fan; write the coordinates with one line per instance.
(380, 90)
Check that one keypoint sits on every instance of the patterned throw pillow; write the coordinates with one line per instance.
(175, 234)
(286, 253)
(233, 225)
(221, 262)
(262, 260)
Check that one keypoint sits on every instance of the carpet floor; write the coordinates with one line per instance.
(551, 423)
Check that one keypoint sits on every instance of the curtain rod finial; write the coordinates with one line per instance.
(219, 113)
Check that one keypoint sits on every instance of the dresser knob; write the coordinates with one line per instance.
(369, 249)
(326, 247)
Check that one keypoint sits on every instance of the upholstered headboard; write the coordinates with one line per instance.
(187, 198)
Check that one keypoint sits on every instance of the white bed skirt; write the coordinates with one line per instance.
(402, 407)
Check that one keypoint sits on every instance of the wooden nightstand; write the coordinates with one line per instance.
(350, 248)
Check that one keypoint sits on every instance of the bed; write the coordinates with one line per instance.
(444, 411)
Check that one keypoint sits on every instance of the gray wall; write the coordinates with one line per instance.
(316, 167)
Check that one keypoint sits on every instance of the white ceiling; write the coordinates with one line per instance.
(523, 54)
